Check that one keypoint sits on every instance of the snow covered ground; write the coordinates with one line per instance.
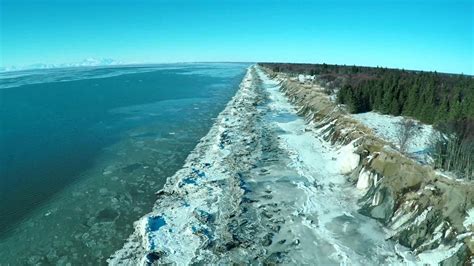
(385, 127)
(324, 216)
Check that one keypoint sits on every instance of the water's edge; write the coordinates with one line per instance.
(260, 188)
(269, 184)
(171, 197)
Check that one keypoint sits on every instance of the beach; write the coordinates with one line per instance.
(261, 187)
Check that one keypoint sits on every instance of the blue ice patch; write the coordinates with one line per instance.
(189, 180)
(155, 223)
(198, 172)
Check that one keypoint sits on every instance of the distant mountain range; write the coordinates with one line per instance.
(83, 63)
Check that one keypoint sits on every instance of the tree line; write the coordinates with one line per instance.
(443, 100)
(428, 97)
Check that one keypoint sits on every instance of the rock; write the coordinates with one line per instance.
(379, 204)
(231, 244)
(296, 242)
(275, 258)
(267, 240)
(267, 197)
(248, 200)
(275, 228)
(266, 214)
(461, 257)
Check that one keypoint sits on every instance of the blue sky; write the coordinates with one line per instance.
(416, 34)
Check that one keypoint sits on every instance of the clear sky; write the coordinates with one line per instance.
(410, 34)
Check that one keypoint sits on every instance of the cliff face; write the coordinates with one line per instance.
(421, 209)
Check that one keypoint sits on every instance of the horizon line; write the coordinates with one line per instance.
(119, 63)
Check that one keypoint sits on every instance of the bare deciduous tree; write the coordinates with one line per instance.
(453, 150)
(406, 131)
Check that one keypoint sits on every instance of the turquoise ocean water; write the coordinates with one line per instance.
(83, 150)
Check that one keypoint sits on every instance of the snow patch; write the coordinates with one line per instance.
(363, 182)
(469, 220)
(347, 159)
(435, 256)
(422, 217)
(385, 127)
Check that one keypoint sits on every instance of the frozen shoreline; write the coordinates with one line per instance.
(228, 179)
(263, 186)
(186, 198)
